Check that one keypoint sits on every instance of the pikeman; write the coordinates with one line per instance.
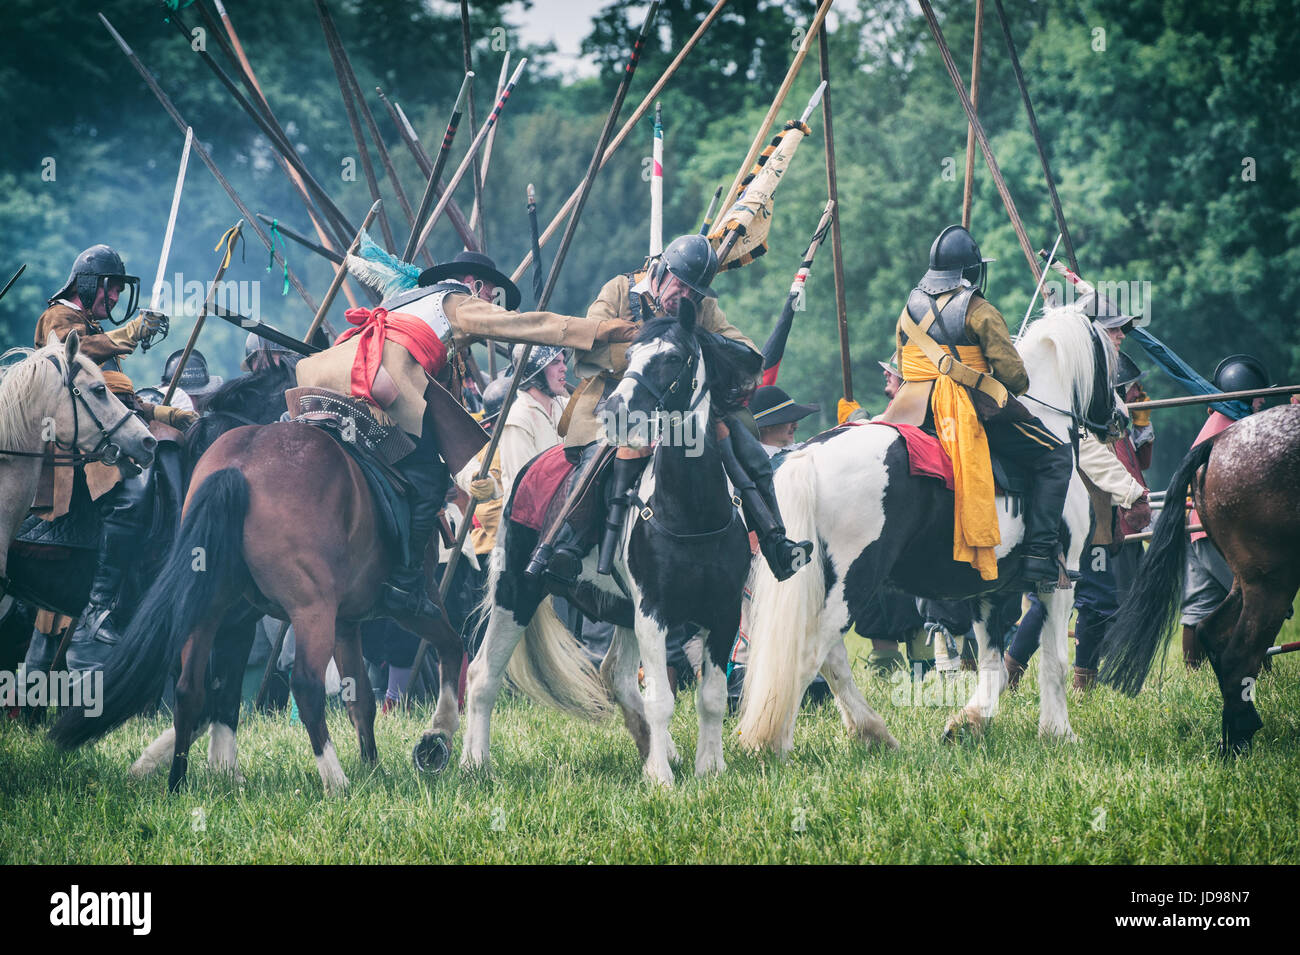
(949, 330)
(94, 286)
(394, 350)
(679, 278)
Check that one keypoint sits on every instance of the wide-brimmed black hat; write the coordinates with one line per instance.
(772, 406)
(478, 265)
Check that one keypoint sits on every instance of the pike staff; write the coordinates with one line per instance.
(14, 278)
(968, 190)
(774, 347)
(551, 279)
(227, 245)
(537, 248)
(837, 247)
(439, 164)
(657, 185)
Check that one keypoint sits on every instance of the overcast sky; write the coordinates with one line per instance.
(564, 23)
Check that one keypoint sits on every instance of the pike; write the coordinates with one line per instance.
(474, 147)
(376, 208)
(302, 240)
(625, 130)
(14, 278)
(279, 141)
(969, 187)
(435, 172)
(341, 74)
(207, 159)
(235, 51)
(982, 137)
(708, 215)
(466, 49)
(1024, 322)
(228, 239)
(476, 214)
(552, 278)
(262, 330)
(837, 245)
(537, 249)
(774, 347)
(757, 146)
(657, 185)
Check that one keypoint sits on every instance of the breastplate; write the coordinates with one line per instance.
(425, 304)
(949, 326)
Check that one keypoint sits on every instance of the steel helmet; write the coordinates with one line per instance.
(691, 259)
(1240, 373)
(91, 270)
(955, 261)
(255, 343)
(540, 357)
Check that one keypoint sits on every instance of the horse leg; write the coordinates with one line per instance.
(620, 671)
(486, 673)
(711, 700)
(189, 699)
(651, 639)
(992, 677)
(230, 651)
(858, 716)
(1053, 716)
(359, 697)
(433, 751)
(1264, 607)
(314, 631)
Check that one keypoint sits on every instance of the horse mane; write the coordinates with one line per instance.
(16, 383)
(730, 378)
(249, 393)
(1067, 332)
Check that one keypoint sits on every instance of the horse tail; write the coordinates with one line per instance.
(550, 666)
(1141, 625)
(784, 616)
(179, 599)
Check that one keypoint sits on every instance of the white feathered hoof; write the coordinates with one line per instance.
(431, 754)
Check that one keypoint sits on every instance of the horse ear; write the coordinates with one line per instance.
(71, 345)
(686, 314)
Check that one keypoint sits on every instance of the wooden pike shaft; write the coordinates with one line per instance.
(338, 276)
(466, 51)
(623, 132)
(837, 250)
(179, 120)
(250, 78)
(1215, 396)
(476, 213)
(306, 243)
(983, 139)
(757, 146)
(967, 192)
(552, 277)
(227, 251)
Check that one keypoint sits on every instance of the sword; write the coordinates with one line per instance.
(8, 285)
(155, 299)
(1024, 322)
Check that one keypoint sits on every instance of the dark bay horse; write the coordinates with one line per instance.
(683, 558)
(279, 516)
(1246, 486)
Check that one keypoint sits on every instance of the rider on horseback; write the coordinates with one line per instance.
(948, 330)
(677, 279)
(389, 358)
(86, 300)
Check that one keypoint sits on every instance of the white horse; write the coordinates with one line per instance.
(851, 493)
(58, 394)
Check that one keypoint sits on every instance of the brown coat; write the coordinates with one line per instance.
(600, 367)
(471, 319)
(95, 345)
(985, 325)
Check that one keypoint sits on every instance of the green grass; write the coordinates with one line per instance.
(1143, 785)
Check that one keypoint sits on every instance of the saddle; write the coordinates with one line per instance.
(373, 446)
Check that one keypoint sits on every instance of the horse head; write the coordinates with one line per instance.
(664, 387)
(1071, 368)
(83, 414)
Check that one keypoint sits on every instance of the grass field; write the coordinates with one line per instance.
(1143, 785)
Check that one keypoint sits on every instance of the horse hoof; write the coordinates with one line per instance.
(431, 754)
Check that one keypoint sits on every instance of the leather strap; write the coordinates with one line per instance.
(946, 363)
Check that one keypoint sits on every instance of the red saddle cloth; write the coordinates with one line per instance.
(539, 486)
(925, 455)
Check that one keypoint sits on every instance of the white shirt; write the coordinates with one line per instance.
(530, 429)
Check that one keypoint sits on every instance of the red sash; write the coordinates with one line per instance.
(375, 326)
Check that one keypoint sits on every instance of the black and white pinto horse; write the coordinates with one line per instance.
(683, 558)
(873, 525)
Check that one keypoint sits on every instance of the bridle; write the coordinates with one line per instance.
(662, 395)
(1114, 427)
(105, 451)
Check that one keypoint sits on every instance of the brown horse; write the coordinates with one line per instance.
(279, 516)
(1246, 484)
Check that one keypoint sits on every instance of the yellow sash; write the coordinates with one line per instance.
(975, 529)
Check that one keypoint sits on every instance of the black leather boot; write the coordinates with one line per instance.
(623, 477)
(406, 590)
(1043, 513)
(122, 539)
(750, 471)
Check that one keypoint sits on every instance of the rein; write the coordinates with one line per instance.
(1082, 420)
(104, 452)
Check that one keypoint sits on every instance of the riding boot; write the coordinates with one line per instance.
(622, 479)
(1015, 670)
(750, 471)
(1043, 510)
(560, 556)
(406, 590)
(122, 541)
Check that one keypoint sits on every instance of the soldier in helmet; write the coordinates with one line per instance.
(196, 387)
(947, 309)
(530, 428)
(679, 278)
(86, 301)
(406, 357)
(262, 353)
